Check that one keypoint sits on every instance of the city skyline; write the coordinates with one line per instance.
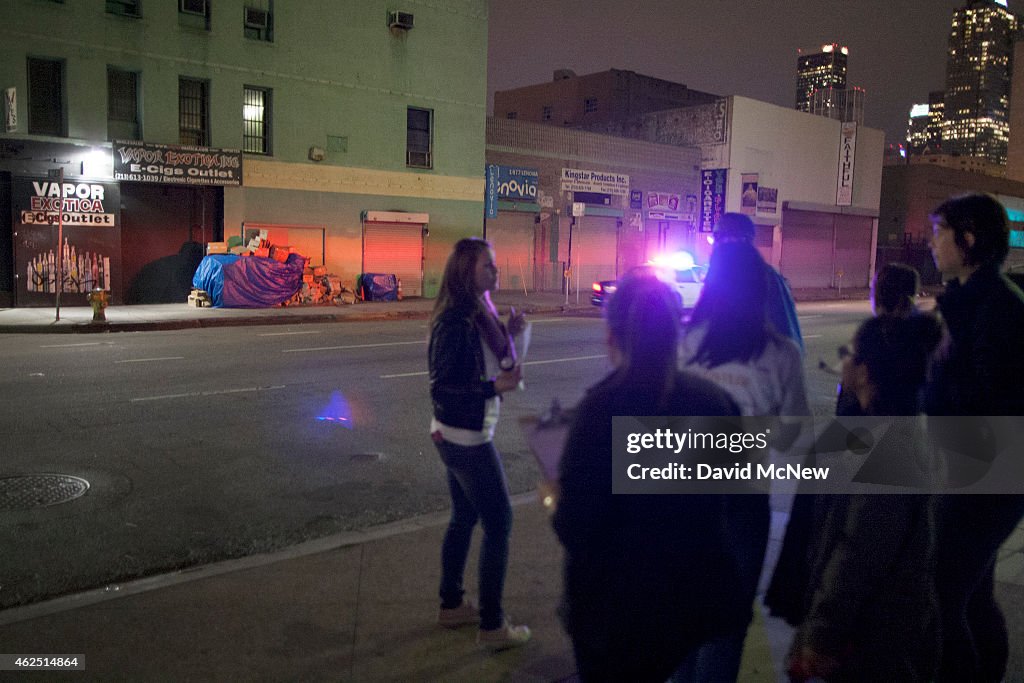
(897, 50)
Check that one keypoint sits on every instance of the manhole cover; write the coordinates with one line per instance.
(39, 490)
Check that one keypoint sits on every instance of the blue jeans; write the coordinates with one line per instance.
(479, 491)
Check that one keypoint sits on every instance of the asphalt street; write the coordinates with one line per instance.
(201, 445)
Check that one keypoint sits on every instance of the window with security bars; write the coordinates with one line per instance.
(256, 120)
(123, 105)
(193, 112)
(418, 139)
(258, 20)
(125, 8)
(46, 114)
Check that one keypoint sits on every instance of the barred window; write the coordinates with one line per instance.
(193, 112)
(123, 105)
(590, 104)
(256, 120)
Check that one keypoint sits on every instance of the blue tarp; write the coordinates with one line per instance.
(250, 281)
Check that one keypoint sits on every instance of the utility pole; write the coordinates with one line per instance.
(58, 173)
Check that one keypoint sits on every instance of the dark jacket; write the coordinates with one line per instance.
(982, 369)
(647, 577)
(871, 601)
(459, 386)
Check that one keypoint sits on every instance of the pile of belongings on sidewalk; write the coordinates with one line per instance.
(320, 288)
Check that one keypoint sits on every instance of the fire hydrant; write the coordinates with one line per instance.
(98, 300)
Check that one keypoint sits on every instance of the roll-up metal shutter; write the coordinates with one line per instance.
(853, 250)
(593, 250)
(512, 235)
(395, 248)
(807, 248)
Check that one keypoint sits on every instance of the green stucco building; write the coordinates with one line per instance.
(350, 130)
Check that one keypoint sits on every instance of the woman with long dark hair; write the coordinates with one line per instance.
(473, 362)
(730, 341)
(646, 576)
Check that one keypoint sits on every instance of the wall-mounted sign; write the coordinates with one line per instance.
(517, 183)
(10, 110)
(748, 193)
(147, 162)
(662, 201)
(767, 199)
(491, 193)
(599, 198)
(90, 255)
(847, 155)
(579, 180)
(636, 199)
(712, 197)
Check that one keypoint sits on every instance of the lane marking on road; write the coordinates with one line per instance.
(531, 362)
(812, 336)
(216, 392)
(149, 360)
(353, 346)
(286, 334)
(64, 346)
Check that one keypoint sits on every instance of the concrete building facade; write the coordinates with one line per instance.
(349, 130)
(634, 200)
(581, 101)
(811, 184)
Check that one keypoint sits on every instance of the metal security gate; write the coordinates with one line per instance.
(512, 235)
(395, 248)
(826, 250)
(594, 249)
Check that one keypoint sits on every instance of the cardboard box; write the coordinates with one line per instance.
(216, 247)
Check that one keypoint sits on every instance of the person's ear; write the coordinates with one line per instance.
(969, 239)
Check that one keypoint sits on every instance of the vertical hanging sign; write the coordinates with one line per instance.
(491, 195)
(10, 110)
(847, 155)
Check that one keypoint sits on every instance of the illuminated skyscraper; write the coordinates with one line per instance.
(978, 71)
(917, 129)
(817, 70)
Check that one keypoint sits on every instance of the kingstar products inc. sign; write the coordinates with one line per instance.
(147, 162)
(580, 180)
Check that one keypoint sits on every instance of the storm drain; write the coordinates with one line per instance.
(39, 490)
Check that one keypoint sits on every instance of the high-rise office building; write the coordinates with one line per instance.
(936, 108)
(817, 70)
(917, 129)
(978, 71)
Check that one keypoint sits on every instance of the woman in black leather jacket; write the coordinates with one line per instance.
(473, 361)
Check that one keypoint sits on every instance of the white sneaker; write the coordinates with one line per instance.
(503, 637)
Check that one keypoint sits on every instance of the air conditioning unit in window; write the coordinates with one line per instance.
(193, 7)
(255, 18)
(402, 20)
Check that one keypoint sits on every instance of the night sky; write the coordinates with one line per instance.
(730, 47)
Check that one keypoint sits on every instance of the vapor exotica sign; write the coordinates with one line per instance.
(146, 162)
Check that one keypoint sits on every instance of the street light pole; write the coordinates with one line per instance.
(59, 173)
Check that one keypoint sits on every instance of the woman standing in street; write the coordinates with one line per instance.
(473, 361)
(979, 374)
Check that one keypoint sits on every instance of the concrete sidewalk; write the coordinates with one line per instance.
(356, 607)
